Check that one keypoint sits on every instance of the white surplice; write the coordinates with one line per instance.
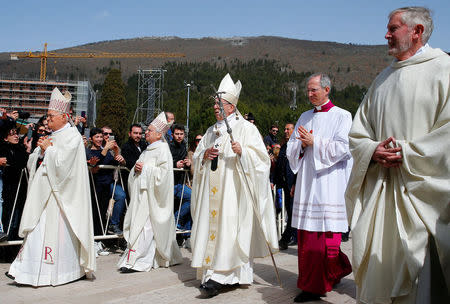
(322, 171)
(226, 235)
(395, 211)
(149, 225)
(57, 217)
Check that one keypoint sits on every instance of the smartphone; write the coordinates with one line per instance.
(111, 137)
(83, 114)
(30, 132)
(87, 132)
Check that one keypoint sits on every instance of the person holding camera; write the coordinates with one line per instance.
(107, 154)
(16, 157)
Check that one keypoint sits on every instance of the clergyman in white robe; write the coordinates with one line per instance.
(57, 217)
(323, 170)
(149, 225)
(400, 215)
(318, 152)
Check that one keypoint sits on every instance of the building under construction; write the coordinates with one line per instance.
(33, 96)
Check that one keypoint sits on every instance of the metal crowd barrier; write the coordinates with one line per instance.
(186, 177)
(117, 176)
(281, 217)
(97, 237)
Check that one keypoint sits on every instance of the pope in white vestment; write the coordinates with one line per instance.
(57, 217)
(226, 235)
(149, 226)
(400, 212)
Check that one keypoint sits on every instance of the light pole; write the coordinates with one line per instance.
(293, 105)
(188, 85)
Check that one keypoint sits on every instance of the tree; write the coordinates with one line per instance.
(266, 92)
(112, 105)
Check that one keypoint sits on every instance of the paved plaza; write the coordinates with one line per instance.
(177, 284)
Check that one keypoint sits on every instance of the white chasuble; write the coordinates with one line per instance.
(57, 262)
(323, 170)
(394, 211)
(142, 256)
(149, 225)
(57, 217)
(225, 233)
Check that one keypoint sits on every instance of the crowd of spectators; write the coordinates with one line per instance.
(105, 151)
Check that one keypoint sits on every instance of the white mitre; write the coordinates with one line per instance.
(160, 123)
(60, 102)
(230, 89)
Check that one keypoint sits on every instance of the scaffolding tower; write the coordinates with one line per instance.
(149, 96)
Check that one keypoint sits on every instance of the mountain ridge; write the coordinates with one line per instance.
(345, 63)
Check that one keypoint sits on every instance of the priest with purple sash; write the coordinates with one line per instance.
(318, 152)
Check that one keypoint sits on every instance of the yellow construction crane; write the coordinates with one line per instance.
(44, 55)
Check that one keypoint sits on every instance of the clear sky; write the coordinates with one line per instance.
(26, 25)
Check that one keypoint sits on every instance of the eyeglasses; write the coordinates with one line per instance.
(198, 139)
(41, 130)
(275, 131)
(106, 133)
(53, 115)
(216, 103)
(12, 133)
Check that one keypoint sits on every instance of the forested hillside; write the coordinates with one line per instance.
(267, 92)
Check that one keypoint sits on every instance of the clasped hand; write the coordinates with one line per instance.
(183, 162)
(305, 136)
(44, 142)
(387, 156)
(138, 167)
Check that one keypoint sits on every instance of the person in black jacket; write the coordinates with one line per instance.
(16, 159)
(132, 149)
(180, 161)
(271, 139)
(284, 178)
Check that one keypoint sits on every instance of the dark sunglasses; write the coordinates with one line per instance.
(106, 133)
